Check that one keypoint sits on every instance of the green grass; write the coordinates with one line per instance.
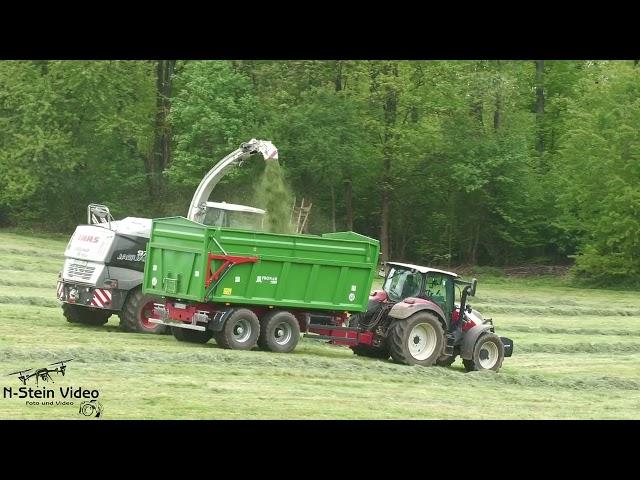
(576, 355)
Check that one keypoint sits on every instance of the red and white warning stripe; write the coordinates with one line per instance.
(101, 297)
(60, 290)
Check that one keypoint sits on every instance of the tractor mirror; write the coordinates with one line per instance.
(474, 284)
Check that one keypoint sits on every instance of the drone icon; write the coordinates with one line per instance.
(42, 373)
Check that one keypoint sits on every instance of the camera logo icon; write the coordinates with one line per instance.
(91, 408)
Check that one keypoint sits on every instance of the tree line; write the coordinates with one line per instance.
(446, 162)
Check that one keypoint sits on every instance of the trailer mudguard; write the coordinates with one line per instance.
(470, 338)
(409, 306)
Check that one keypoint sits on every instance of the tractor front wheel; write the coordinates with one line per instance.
(86, 315)
(488, 354)
(240, 331)
(417, 340)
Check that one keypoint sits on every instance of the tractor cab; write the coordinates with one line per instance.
(406, 281)
(230, 215)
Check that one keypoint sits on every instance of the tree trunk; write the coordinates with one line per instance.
(333, 209)
(338, 79)
(348, 200)
(160, 155)
(390, 111)
(497, 114)
(539, 105)
(474, 247)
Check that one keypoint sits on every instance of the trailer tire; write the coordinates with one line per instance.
(417, 340)
(85, 315)
(279, 332)
(134, 312)
(240, 331)
(191, 336)
(488, 354)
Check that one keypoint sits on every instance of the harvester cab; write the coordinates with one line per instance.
(230, 215)
(104, 260)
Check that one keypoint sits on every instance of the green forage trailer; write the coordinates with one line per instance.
(248, 288)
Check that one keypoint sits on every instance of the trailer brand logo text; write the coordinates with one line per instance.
(267, 279)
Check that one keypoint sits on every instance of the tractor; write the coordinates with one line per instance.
(415, 320)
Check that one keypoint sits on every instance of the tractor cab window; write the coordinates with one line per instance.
(401, 283)
(439, 289)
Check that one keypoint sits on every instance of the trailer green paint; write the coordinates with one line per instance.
(330, 272)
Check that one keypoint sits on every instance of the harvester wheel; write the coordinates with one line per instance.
(137, 308)
(417, 340)
(240, 331)
(279, 332)
(86, 315)
(488, 354)
(191, 336)
(369, 351)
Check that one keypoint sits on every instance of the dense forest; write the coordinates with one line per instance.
(446, 162)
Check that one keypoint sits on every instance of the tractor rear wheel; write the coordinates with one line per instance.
(370, 351)
(240, 331)
(86, 315)
(417, 340)
(279, 332)
(488, 354)
(136, 311)
(191, 336)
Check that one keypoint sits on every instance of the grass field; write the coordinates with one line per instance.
(577, 355)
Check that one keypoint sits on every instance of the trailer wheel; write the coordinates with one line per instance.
(371, 352)
(135, 311)
(417, 340)
(86, 315)
(488, 354)
(279, 332)
(240, 331)
(191, 336)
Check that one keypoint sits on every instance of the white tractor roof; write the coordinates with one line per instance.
(234, 207)
(421, 269)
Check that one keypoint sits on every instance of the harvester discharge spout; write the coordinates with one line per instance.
(198, 207)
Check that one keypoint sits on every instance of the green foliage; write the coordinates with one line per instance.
(599, 168)
(71, 133)
(470, 172)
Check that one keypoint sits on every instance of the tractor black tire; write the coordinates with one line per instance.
(488, 348)
(400, 337)
(279, 332)
(191, 336)
(240, 332)
(370, 351)
(134, 311)
(446, 360)
(85, 315)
